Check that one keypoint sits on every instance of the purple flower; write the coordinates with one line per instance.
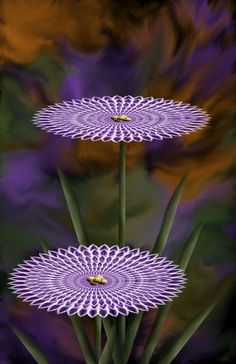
(121, 118)
(97, 280)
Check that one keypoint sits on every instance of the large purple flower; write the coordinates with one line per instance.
(121, 118)
(97, 280)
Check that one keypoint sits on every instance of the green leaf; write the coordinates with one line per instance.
(169, 218)
(30, 346)
(131, 334)
(163, 310)
(189, 247)
(193, 325)
(44, 245)
(83, 340)
(109, 346)
(73, 208)
(108, 330)
(198, 319)
(81, 236)
(158, 248)
(155, 332)
(78, 327)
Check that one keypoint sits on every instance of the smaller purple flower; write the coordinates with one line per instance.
(97, 280)
(121, 118)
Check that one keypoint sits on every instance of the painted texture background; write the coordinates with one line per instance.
(58, 50)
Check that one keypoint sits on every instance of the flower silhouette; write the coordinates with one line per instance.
(129, 280)
(121, 118)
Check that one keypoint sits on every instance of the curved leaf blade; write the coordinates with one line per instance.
(158, 248)
(131, 334)
(83, 340)
(30, 346)
(73, 208)
(109, 346)
(163, 310)
(188, 248)
(194, 324)
(44, 245)
(169, 218)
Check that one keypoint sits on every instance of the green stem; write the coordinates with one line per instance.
(121, 333)
(98, 336)
(122, 213)
(122, 192)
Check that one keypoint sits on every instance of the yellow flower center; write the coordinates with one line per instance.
(96, 280)
(121, 118)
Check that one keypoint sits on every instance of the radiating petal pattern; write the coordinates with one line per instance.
(136, 280)
(149, 118)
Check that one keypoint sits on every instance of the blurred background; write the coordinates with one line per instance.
(58, 50)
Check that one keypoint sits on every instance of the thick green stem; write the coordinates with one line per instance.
(122, 212)
(121, 333)
(98, 336)
(122, 193)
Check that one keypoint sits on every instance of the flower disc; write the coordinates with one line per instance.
(59, 281)
(121, 118)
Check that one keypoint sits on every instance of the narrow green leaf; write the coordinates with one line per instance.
(77, 325)
(155, 332)
(198, 319)
(188, 332)
(30, 346)
(44, 245)
(158, 248)
(83, 340)
(81, 236)
(108, 329)
(163, 310)
(109, 346)
(169, 218)
(73, 208)
(131, 334)
(107, 326)
(189, 247)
